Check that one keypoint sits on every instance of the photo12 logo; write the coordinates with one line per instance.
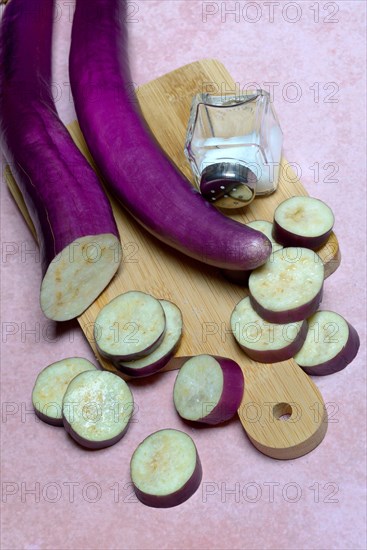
(289, 92)
(269, 491)
(270, 12)
(70, 491)
(65, 9)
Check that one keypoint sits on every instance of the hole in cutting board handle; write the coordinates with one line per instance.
(282, 411)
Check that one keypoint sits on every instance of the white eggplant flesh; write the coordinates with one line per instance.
(166, 469)
(51, 384)
(288, 288)
(303, 221)
(130, 326)
(97, 408)
(208, 389)
(263, 341)
(331, 344)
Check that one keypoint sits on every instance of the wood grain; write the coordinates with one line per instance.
(204, 296)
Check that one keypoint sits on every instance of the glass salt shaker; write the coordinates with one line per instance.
(234, 146)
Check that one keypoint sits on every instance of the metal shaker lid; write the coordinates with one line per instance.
(228, 184)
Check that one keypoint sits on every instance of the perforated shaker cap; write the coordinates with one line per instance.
(228, 185)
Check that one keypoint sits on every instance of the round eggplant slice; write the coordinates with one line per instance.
(132, 325)
(303, 221)
(96, 408)
(208, 389)
(331, 344)
(288, 288)
(241, 277)
(51, 384)
(262, 341)
(156, 360)
(165, 469)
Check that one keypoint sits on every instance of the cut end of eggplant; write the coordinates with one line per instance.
(97, 407)
(288, 288)
(262, 341)
(165, 469)
(303, 221)
(156, 360)
(78, 274)
(331, 344)
(130, 326)
(51, 384)
(208, 389)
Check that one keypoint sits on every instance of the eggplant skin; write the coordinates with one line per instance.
(232, 394)
(341, 360)
(115, 359)
(63, 195)
(179, 496)
(278, 355)
(134, 167)
(287, 238)
(156, 362)
(153, 368)
(48, 419)
(291, 315)
(88, 443)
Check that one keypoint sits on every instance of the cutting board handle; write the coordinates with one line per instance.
(282, 412)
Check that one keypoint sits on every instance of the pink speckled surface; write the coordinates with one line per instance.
(83, 499)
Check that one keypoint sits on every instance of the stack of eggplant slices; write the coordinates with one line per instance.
(81, 250)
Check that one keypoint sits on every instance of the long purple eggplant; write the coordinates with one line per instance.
(77, 234)
(133, 165)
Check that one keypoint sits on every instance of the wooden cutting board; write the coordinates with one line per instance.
(204, 296)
